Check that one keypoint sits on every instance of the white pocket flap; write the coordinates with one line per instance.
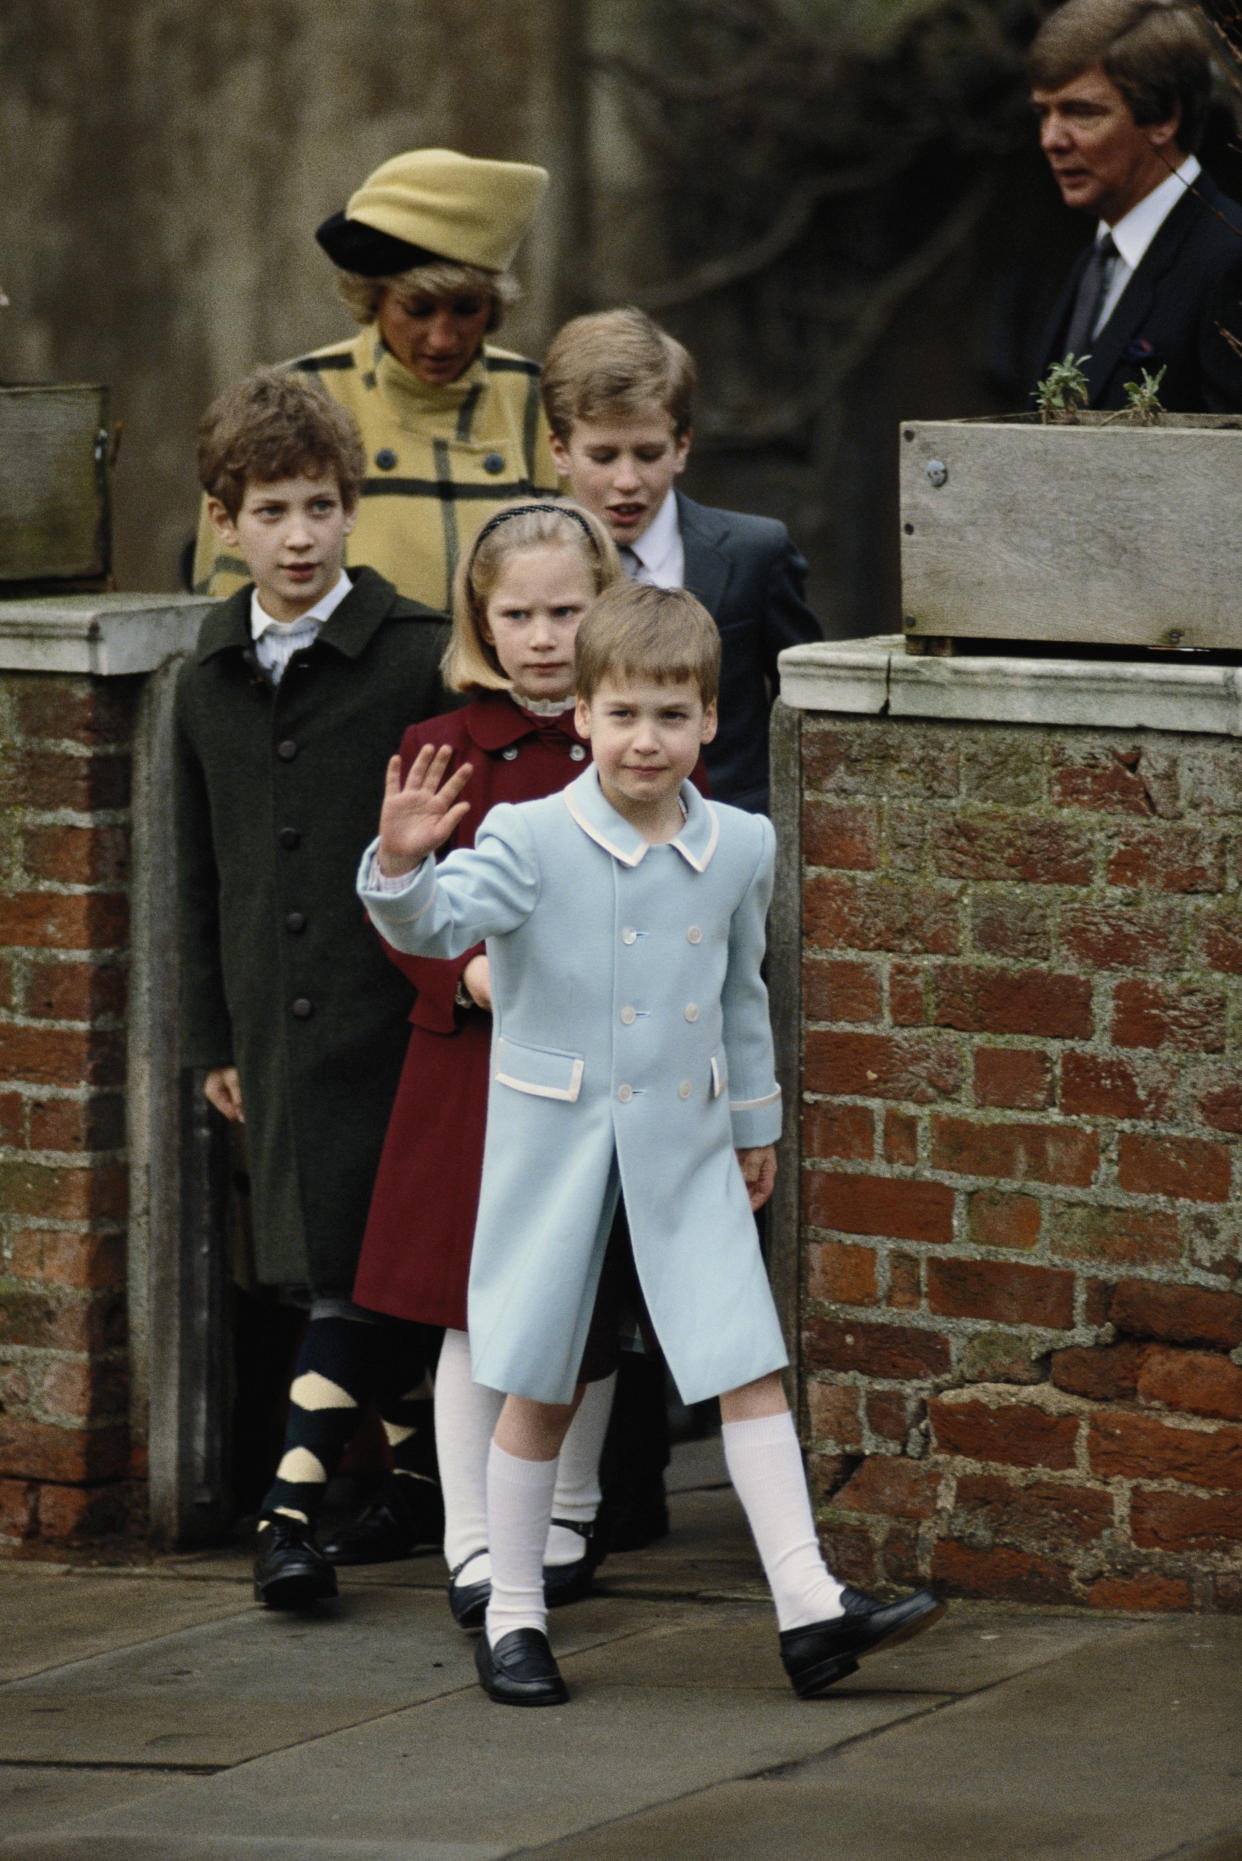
(541, 1071)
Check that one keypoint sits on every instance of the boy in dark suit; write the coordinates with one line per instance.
(299, 687)
(618, 391)
(1120, 89)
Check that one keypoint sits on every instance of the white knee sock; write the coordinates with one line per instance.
(577, 1493)
(466, 1417)
(765, 1465)
(519, 1506)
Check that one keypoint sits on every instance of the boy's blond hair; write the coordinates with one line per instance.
(470, 662)
(614, 362)
(276, 424)
(658, 633)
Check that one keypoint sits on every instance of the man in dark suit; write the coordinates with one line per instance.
(1121, 89)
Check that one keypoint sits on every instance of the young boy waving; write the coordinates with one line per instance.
(632, 1058)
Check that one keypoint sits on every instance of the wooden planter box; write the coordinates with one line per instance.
(55, 497)
(1100, 534)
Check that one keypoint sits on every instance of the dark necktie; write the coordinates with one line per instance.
(1092, 290)
(631, 562)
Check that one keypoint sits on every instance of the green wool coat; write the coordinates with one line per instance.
(278, 790)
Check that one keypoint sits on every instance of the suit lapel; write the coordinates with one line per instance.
(707, 565)
(1138, 301)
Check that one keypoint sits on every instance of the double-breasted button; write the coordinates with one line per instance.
(627, 1016)
(385, 458)
(625, 1094)
(290, 837)
(494, 463)
(629, 934)
(684, 1089)
(509, 754)
(577, 752)
(694, 934)
(295, 922)
(303, 1009)
(287, 749)
(692, 1011)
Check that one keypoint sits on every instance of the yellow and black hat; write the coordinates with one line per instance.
(434, 204)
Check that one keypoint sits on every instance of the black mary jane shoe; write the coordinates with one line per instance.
(520, 1669)
(407, 1517)
(468, 1601)
(290, 1570)
(569, 1583)
(817, 1656)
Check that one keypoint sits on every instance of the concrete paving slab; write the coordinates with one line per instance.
(53, 1613)
(37, 1797)
(1124, 1751)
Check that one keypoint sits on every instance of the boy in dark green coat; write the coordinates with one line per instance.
(299, 688)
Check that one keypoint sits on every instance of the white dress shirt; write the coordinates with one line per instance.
(661, 558)
(276, 641)
(1135, 231)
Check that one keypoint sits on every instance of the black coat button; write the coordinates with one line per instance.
(295, 922)
(385, 458)
(289, 838)
(494, 462)
(303, 1009)
(287, 750)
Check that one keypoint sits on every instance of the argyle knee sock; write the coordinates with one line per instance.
(765, 1466)
(331, 1384)
(577, 1492)
(519, 1507)
(465, 1418)
(403, 1396)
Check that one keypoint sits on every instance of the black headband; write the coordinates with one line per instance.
(530, 510)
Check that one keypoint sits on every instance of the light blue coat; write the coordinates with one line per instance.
(631, 1043)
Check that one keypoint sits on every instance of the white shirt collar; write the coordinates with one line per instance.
(659, 548)
(1135, 230)
(311, 621)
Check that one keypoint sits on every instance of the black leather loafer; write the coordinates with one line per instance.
(468, 1601)
(290, 1570)
(568, 1583)
(823, 1652)
(520, 1670)
(396, 1524)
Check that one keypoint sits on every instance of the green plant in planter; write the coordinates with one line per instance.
(1062, 394)
(1143, 406)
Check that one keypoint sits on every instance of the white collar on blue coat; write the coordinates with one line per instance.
(596, 816)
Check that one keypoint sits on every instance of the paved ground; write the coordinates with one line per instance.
(157, 1715)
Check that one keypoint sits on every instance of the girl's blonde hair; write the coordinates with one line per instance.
(470, 662)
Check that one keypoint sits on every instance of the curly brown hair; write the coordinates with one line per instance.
(277, 424)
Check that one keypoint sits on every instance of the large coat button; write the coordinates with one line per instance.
(627, 1016)
(625, 1094)
(694, 934)
(692, 1011)
(494, 463)
(303, 1009)
(287, 749)
(295, 922)
(385, 458)
(684, 1089)
(290, 837)
(629, 934)
(577, 752)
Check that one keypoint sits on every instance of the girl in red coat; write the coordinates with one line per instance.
(518, 597)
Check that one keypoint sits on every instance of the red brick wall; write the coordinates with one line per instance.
(65, 1453)
(1021, 1298)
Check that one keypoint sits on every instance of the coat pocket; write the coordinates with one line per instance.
(720, 1074)
(541, 1071)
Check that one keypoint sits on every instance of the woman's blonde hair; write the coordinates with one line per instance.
(439, 278)
(470, 662)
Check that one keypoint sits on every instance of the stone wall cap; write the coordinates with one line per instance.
(877, 677)
(102, 635)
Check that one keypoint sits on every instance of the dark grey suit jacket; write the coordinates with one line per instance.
(752, 581)
(1188, 286)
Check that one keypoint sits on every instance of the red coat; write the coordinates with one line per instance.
(415, 1258)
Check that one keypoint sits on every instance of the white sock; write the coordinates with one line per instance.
(466, 1417)
(577, 1494)
(765, 1465)
(519, 1507)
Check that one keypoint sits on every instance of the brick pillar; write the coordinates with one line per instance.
(71, 1464)
(1019, 1282)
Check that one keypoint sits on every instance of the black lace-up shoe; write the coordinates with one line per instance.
(824, 1652)
(290, 1571)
